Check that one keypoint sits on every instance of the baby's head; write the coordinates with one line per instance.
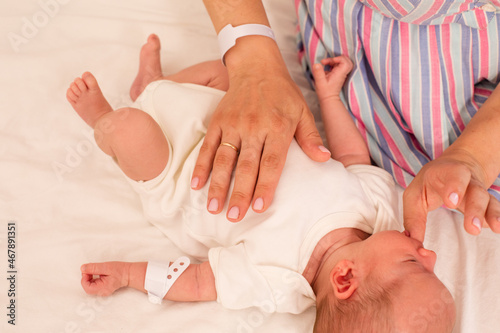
(385, 283)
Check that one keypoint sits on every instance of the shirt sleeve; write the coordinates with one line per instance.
(475, 14)
(242, 284)
(380, 188)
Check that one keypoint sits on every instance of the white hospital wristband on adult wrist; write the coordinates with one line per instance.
(160, 278)
(229, 34)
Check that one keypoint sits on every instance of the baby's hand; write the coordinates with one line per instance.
(103, 279)
(329, 84)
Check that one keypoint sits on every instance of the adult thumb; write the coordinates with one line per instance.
(414, 215)
(309, 140)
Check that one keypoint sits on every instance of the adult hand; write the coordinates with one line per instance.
(259, 115)
(457, 181)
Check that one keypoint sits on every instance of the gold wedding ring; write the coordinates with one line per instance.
(227, 144)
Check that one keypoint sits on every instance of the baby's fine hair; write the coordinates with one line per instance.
(369, 309)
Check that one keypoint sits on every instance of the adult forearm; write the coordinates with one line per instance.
(480, 141)
(257, 53)
(235, 12)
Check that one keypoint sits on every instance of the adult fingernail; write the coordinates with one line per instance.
(258, 204)
(453, 198)
(324, 149)
(194, 182)
(213, 206)
(233, 213)
(477, 223)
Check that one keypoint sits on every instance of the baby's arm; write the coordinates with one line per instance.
(197, 283)
(344, 139)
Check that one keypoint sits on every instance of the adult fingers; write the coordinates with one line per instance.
(206, 156)
(308, 138)
(259, 168)
(271, 166)
(436, 184)
(447, 183)
(223, 166)
(493, 214)
(474, 207)
(245, 178)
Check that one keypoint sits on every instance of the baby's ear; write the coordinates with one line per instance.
(343, 280)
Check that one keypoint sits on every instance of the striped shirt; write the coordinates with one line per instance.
(421, 70)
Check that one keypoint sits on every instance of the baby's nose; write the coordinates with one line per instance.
(428, 258)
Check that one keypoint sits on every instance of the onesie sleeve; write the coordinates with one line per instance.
(380, 188)
(240, 283)
(435, 12)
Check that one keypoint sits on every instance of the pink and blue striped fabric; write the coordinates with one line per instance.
(422, 70)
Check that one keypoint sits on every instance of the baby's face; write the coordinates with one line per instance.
(422, 301)
(394, 254)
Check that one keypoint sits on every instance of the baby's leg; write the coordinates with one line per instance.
(129, 135)
(210, 73)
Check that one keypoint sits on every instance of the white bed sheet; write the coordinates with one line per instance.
(71, 205)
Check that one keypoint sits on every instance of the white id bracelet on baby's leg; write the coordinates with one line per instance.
(160, 277)
(228, 35)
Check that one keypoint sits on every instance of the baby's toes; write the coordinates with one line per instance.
(74, 88)
(89, 81)
(71, 96)
(80, 84)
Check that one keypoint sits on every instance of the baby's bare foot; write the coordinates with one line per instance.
(87, 99)
(149, 66)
